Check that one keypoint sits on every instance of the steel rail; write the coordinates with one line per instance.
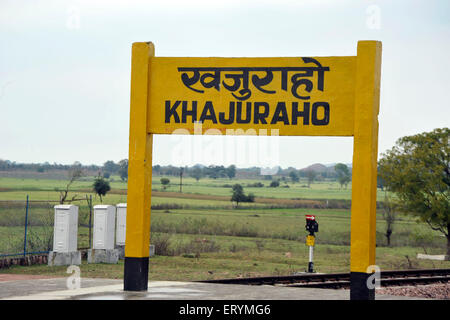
(342, 280)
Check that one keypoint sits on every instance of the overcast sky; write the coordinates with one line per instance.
(65, 69)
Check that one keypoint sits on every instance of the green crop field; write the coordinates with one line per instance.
(219, 187)
(200, 234)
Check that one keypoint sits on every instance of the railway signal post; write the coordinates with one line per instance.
(311, 226)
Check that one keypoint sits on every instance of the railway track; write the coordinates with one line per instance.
(342, 280)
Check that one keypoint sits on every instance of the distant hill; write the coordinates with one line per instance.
(321, 168)
(333, 164)
(318, 167)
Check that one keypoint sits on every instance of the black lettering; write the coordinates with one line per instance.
(230, 119)
(258, 116)
(304, 114)
(239, 112)
(172, 111)
(280, 114)
(326, 111)
(185, 112)
(212, 115)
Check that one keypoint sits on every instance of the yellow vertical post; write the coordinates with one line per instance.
(139, 173)
(364, 172)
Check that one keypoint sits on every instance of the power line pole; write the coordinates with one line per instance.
(181, 179)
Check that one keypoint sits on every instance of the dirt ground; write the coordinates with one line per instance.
(433, 291)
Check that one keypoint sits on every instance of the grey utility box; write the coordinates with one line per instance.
(121, 224)
(104, 226)
(65, 234)
(104, 230)
(121, 230)
(65, 228)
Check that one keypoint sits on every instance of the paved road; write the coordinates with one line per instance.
(43, 288)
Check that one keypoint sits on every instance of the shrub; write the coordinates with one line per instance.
(274, 184)
(162, 244)
(101, 187)
(255, 185)
(165, 182)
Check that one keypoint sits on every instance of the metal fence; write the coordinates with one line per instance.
(26, 227)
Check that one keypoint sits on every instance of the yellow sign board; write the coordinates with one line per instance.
(293, 96)
(298, 96)
(310, 240)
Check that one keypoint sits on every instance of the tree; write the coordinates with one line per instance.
(274, 184)
(165, 182)
(231, 171)
(343, 174)
(74, 174)
(157, 169)
(389, 212)
(215, 172)
(101, 186)
(123, 169)
(110, 166)
(294, 176)
(380, 182)
(197, 173)
(239, 195)
(417, 170)
(311, 175)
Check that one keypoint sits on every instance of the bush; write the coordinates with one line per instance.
(235, 248)
(101, 187)
(162, 243)
(255, 185)
(195, 247)
(165, 182)
(164, 246)
(274, 184)
(239, 196)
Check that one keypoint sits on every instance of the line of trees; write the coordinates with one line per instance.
(121, 168)
(198, 171)
(7, 165)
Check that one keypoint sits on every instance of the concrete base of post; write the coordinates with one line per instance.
(103, 256)
(359, 289)
(64, 258)
(151, 252)
(121, 250)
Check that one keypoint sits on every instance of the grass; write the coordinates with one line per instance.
(240, 257)
(201, 236)
(15, 187)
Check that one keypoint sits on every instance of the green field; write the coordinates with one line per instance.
(200, 235)
(46, 188)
